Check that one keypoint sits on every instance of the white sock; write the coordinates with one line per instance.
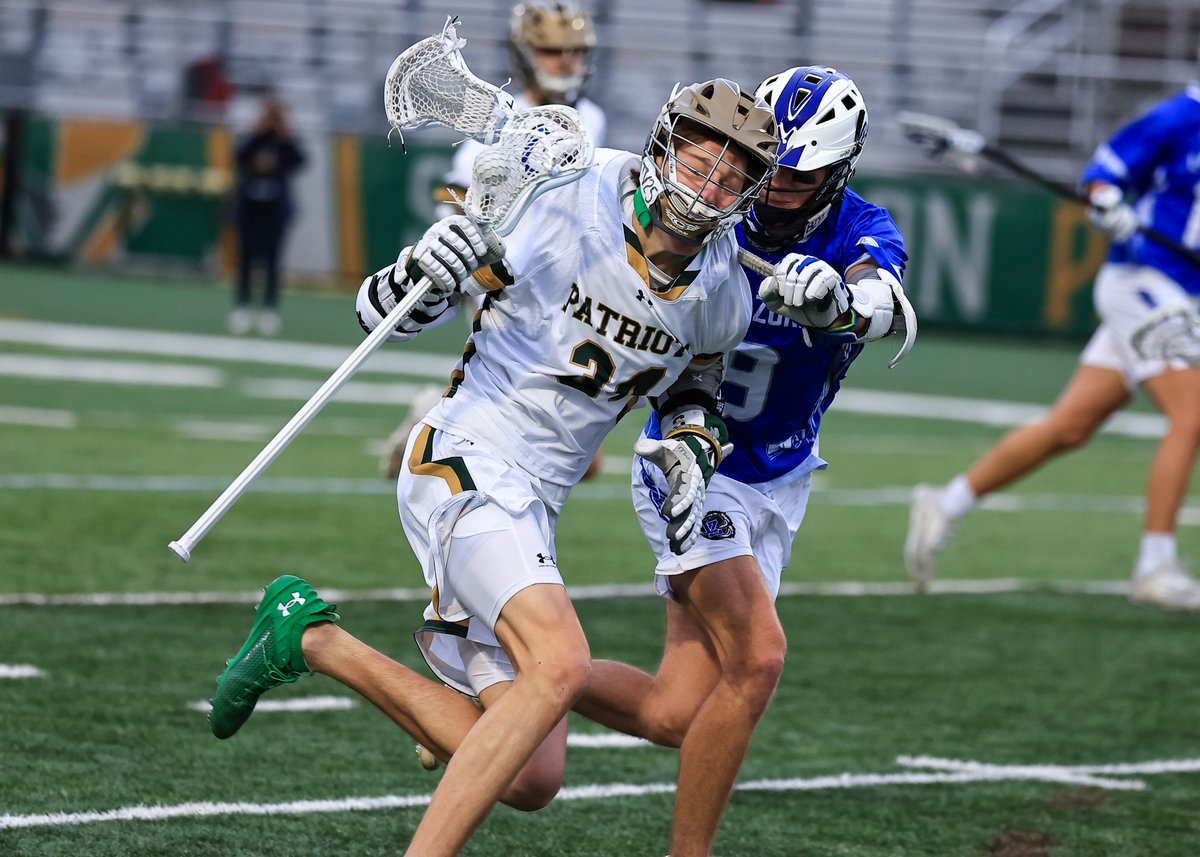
(957, 498)
(1156, 549)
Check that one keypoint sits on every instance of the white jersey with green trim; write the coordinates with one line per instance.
(572, 336)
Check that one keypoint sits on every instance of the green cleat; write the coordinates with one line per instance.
(271, 655)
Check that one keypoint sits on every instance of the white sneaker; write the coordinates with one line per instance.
(428, 761)
(269, 323)
(240, 321)
(1168, 586)
(929, 528)
(392, 458)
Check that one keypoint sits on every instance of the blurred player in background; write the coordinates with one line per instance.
(725, 646)
(621, 285)
(552, 46)
(1154, 162)
(267, 158)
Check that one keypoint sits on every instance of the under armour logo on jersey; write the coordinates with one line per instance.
(641, 296)
(546, 559)
(286, 609)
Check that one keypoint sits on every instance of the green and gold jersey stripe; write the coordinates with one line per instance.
(452, 470)
(494, 278)
(637, 261)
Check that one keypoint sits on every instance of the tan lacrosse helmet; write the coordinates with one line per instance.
(724, 109)
(551, 26)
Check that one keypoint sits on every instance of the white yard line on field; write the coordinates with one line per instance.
(977, 773)
(229, 349)
(1169, 766)
(992, 412)
(896, 496)
(14, 671)
(11, 415)
(39, 368)
(844, 589)
(304, 703)
(387, 395)
(405, 361)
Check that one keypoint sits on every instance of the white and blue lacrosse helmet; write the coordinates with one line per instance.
(822, 122)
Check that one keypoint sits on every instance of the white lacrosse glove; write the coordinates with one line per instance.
(684, 503)
(1110, 214)
(688, 456)
(450, 251)
(806, 290)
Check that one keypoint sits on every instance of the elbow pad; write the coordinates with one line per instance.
(873, 297)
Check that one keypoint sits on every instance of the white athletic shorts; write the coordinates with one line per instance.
(1126, 297)
(482, 530)
(739, 520)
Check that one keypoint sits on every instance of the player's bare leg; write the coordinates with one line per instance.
(1177, 395)
(433, 714)
(542, 636)
(657, 707)
(731, 602)
(1091, 396)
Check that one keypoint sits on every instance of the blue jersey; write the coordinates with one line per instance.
(777, 387)
(1157, 159)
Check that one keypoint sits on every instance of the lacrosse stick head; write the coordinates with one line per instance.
(540, 148)
(941, 138)
(430, 84)
(1172, 334)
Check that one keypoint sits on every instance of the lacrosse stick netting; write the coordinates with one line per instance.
(530, 151)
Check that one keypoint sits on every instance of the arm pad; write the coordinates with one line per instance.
(873, 297)
(689, 411)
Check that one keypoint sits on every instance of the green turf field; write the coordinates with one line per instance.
(1039, 721)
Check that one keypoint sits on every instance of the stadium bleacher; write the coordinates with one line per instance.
(1046, 78)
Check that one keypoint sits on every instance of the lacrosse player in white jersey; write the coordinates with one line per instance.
(552, 46)
(622, 285)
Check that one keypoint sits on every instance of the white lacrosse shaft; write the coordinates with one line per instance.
(186, 543)
(762, 266)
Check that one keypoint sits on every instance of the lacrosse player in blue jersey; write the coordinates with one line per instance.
(724, 646)
(1145, 292)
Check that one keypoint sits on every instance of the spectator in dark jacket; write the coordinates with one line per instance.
(266, 160)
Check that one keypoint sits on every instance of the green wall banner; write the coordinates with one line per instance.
(984, 254)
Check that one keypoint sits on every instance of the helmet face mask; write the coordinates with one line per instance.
(551, 44)
(822, 121)
(706, 161)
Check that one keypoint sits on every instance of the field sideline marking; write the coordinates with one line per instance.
(582, 740)
(303, 703)
(199, 346)
(844, 589)
(20, 671)
(973, 772)
(893, 496)
(81, 370)
(1169, 766)
(76, 337)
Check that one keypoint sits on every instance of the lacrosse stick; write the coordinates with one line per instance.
(939, 137)
(530, 152)
(766, 269)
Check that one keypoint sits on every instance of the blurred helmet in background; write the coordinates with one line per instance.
(552, 47)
